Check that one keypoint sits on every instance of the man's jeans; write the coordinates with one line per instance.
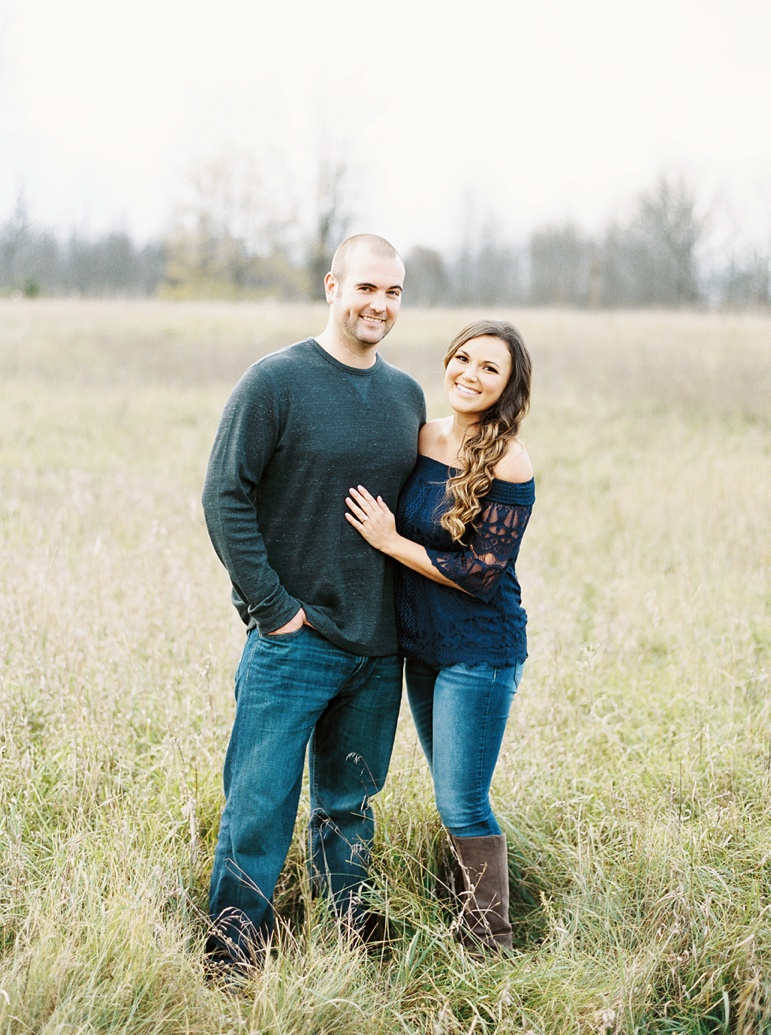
(295, 691)
(460, 713)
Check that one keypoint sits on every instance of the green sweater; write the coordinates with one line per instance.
(300, 429)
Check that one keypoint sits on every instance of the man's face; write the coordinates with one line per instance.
(366, 300)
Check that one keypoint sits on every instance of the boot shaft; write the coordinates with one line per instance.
(484, 866)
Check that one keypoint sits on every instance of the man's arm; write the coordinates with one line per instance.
(245, 442)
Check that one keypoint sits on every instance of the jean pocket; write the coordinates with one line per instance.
(282, 637)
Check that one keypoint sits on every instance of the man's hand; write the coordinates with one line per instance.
(293, 625)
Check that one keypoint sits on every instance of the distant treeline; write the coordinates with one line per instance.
(37, 261)
(650, 260)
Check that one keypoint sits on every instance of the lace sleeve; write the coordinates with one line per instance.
(494, 543)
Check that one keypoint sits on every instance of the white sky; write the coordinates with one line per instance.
(519, 113)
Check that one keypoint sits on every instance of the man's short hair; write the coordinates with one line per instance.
(378, 245)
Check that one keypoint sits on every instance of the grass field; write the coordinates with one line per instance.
(635, 780)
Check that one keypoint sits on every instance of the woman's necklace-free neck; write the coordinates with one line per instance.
(458, 433)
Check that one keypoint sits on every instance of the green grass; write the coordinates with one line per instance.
(635, 779)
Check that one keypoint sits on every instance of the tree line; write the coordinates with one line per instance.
(231, 241)
(37, 261)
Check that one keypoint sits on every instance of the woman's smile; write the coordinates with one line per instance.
(477, 373)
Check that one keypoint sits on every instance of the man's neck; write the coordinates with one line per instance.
(364, 356)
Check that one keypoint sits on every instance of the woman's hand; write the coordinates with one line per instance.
(372, 518)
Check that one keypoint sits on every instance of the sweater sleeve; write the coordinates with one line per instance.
(478, 565)
(246, 439)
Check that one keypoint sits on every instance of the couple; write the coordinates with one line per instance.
(318, 444)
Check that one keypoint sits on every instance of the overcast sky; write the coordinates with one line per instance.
(522, 113)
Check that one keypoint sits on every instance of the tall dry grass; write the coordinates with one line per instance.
(634, 782)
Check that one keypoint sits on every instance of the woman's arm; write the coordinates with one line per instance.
(475, 567)
(372, 518)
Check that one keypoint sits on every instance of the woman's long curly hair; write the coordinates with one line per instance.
(497, 427)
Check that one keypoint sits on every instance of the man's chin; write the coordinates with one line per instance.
(372, 331)
(371, 338)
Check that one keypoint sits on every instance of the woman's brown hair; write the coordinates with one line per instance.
(497, 427)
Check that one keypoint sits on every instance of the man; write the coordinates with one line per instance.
(320, 667)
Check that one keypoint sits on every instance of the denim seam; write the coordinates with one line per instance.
(481, 765)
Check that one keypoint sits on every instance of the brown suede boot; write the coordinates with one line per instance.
(485, 913)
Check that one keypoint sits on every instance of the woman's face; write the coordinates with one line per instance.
(476, 374)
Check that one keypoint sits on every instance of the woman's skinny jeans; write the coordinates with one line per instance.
(460, 713)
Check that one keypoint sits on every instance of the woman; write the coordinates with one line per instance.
(459, 523)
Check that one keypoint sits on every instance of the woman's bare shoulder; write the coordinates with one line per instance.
(432, 435)
(516, 465)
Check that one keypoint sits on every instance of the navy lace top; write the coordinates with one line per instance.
(438, 624)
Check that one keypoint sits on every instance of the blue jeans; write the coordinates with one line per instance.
(293, 692)
(460, 713)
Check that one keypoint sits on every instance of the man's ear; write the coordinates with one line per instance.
(330, 287)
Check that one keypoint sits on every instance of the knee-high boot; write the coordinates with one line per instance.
(485, 913)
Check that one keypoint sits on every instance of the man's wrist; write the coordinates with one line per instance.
(295, 622)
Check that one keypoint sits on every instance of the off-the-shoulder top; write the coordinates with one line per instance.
(441, 625)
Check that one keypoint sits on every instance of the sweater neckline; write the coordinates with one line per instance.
(354, 371)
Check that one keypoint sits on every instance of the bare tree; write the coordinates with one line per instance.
(746, 281)
(330, 220)
(233, 235)
(487, 270)
(652, 260)
(562, 267)
(428, 280)
(668, 231)
(16, 240)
